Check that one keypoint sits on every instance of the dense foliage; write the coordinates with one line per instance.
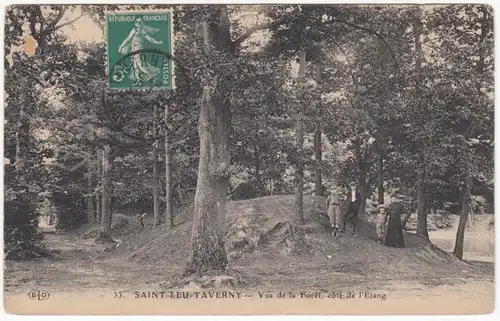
(391, 90)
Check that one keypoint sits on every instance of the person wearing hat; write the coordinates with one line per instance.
(381, 221)
(333, 211)
(394, 233)
(351, 213)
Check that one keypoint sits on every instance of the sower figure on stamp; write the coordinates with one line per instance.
(136, 40)
(381, 221)
(351, 213)
(394, 233)
(333, 211)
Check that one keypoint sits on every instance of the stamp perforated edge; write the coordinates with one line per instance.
(172, 46)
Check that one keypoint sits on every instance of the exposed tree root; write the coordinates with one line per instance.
(433, 254)
(103, 239)
(208, 280)
(288, 236)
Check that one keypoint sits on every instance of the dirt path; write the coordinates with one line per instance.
(77, 264)
(81, 275)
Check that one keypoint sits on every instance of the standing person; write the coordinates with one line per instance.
(394, 233)
(333, 211)
(351, 214)
(381, 221)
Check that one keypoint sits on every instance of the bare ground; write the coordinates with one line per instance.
(266, 258)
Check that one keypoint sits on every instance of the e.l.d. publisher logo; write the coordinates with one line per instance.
(39, 295)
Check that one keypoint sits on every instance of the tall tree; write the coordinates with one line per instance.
(299, 179)
(420, 183)
(318, 182)
(207, 238)
(478, 19)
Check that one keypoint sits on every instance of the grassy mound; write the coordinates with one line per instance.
(264, 232)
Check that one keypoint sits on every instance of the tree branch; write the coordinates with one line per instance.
(238, 41)
(54, 26)
(373, 32)
(251, 31)
(60, 15)
(70, 22)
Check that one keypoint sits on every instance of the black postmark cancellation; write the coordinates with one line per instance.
(128, 67)
(129, 70)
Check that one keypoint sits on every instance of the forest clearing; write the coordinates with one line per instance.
(322, 153)
(81, 268)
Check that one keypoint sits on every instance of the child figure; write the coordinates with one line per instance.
(381, 221)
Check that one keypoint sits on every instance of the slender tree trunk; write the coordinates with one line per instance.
(422, 229)
(363, 186)
(90, 197)
(381, 189)
(22, 143)
(106, 207)
(98, 209)
(169, 209)
(156, 171)
(258, 180)
(363, 194)
(466, 196)
(207, 251)
(299, 176)
(98, 197)
(381, 155)
(318, 181)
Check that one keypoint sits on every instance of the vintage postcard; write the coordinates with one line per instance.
(284, 159)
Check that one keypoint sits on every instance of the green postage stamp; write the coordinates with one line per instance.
(140, 49)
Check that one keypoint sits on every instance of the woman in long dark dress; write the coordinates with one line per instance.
(394, 233)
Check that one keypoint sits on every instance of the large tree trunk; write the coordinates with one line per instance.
(156, 171)
(106, 217)
(419, 188)
(207, 251)
(169, 209)
(299, 175)
(318, 182)
(466, 197)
